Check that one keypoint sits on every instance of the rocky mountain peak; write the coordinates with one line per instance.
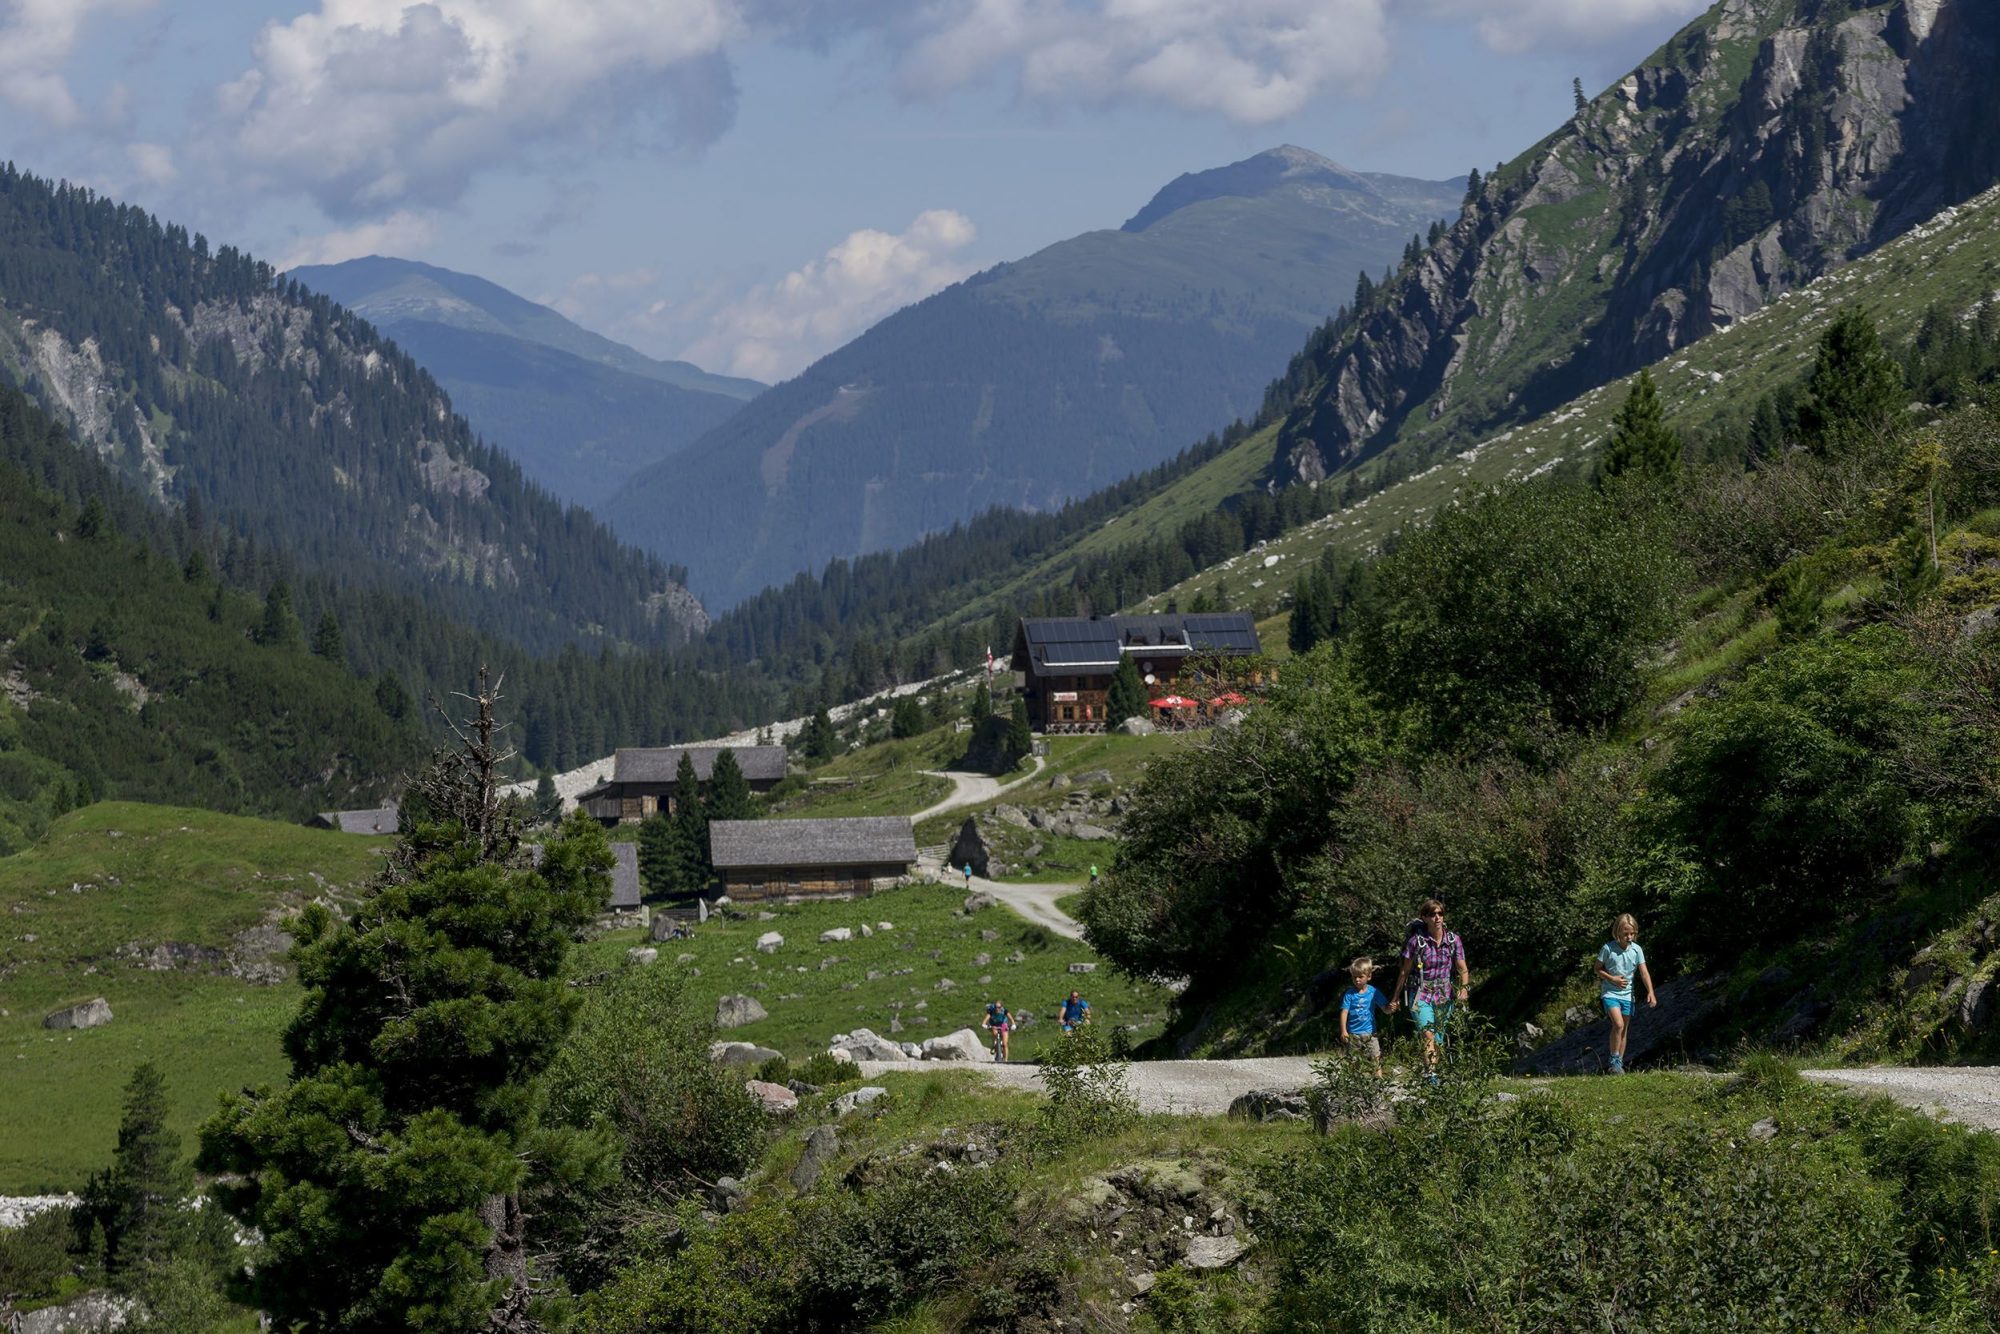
(1767, 144)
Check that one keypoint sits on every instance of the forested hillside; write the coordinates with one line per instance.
(1036, 382)
(127, 673)
(580, 413)
(209, 382)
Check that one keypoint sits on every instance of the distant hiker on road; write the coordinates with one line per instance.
(1357, 1012)
(968, 876)
(999, 1023)
(1093, 875)
(1436, 954)
(1617, 963)
(1075, 1012)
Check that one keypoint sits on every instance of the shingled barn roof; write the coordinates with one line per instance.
(659, 764)
(872, 840)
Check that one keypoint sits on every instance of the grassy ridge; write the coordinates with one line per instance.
(118, 874)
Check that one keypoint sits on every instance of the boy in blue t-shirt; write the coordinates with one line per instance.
(1357, 1012)
(1617, 964)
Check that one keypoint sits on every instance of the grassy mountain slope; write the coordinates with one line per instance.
(580, 413)
(1953, 260)
(1034, 382)
(202, 373)
(86, 910)
(1766, 145)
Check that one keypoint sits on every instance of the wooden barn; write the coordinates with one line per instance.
(642, 778)
(1063, 664)
(787, 859)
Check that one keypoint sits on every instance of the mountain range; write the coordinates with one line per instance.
(1034, 382)
(579, 412)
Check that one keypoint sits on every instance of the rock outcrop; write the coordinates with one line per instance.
(1682, 199)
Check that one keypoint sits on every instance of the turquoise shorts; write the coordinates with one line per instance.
(1431, 1018)
(1622, 1004)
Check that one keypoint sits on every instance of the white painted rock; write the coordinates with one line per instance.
(769, 942)
(642, 955)
(964, 1045)
(839, 933)
(91, 1014)
(885, 926)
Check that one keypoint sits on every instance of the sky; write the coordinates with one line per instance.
(748, 184)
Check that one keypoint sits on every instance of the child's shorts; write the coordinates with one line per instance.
(1622, 1004)
(1367, 1042)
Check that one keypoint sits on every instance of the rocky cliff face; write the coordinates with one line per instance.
(1770, 142)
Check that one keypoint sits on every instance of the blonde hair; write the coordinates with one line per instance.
(1362, 965)
(1624, 919)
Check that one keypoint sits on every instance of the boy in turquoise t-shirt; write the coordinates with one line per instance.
(1617, 964)
(1357, 1012)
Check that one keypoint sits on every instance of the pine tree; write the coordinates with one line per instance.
(386, 1176)
(1766, 435)
(548, 802)
(280, 626)
(663, 859)
(1020, 740)
(1854, 390)
(132, 1213)
(1127, 696)
(327, 642)
(820, 742)
(729, 791)
(691, 828)
(1641, 440)
(1576, 91)
(982, 704)
(907, 718)
(1474, 187)
(1310, 611)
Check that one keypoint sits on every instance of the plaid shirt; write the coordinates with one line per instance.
(1434, 961)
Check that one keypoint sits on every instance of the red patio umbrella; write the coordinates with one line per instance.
(1227, 700)
(1173, 702)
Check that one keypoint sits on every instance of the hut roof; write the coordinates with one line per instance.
(624, 875)
(381, 820)
(660, 764)
(872, 840)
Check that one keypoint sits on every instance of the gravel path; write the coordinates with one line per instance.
(1968, 1094)
(1182, 1088)
(971, 789)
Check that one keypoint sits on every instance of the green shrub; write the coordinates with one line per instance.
(824, 1070)
(1086, 1089)
(1793, 790)
(1522, 610)
(35, 1260)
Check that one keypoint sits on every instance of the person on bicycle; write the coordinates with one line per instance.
(1075, 1012)
(999, 1023)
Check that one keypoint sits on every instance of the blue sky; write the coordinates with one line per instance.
(749, 183)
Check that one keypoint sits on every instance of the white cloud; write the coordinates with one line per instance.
(37, 38)
(777, 329)
(1252, 61)
(377, 105)
(400, 234)
(1520, 25)
(153, 162)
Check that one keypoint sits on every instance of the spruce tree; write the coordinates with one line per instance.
(662, 860)
(691, 828)
(820, 741)
(1854, 390)
(1127, 696)
(1576, 91)
(548, 802)
(386, 1176)
(1641, 440)
(1020, 740)
(907, 718)
(982, 704)
(327, 641)
(729, 791)
(133, 1211)
(280, 627)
